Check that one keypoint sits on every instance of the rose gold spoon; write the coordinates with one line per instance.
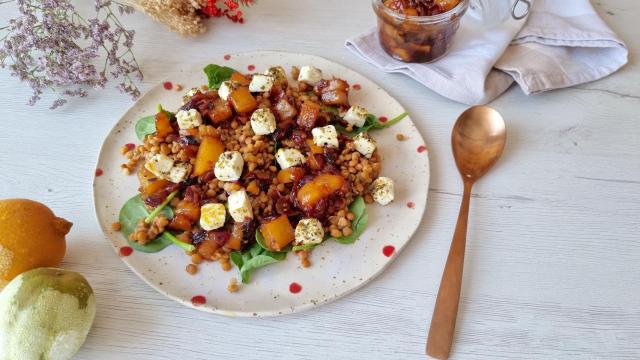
(477, 139)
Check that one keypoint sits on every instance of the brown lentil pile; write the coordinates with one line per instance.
(144, 232)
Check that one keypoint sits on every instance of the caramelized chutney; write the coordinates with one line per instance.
(406, 32)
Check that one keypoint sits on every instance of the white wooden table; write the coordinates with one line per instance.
(553, 258)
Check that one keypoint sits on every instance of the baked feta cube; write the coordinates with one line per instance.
(240, 206)
(356, 116)
(192, 92)
(178, 172)
(263, 122)
(277, 72)
(188, 119)
(212, 216)
(229, 166)
(382, 190)
(309, 231)
(159, 165)
(310, 75)
(261, 83)
(287, 158)
(365, 144)
(325, 136)
(225, 90)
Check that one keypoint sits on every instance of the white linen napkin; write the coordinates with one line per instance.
(560, 46)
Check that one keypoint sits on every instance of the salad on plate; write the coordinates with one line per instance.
(254, 167)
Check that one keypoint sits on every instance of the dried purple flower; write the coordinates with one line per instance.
(52, 47)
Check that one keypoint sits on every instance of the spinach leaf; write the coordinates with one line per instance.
(217, 74)
(236, 258)
(371, 123)
(254, 258)
(304, 247)
(255, 263)
(260, 240)
(134, 210)
(359, 223)
(145, 126)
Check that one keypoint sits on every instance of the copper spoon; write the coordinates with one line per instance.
(477, 139)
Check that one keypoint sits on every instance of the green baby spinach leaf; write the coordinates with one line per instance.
(217, 74)
(236, 259)
(359, 223)
(304, 247)
(145, 126)
(134, 210)
(371, 123)
(254, 258)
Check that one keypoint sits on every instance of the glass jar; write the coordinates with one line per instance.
(417, 39)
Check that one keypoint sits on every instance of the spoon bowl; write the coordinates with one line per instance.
(477, 140)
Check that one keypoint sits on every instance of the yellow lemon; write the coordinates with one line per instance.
(32, 237)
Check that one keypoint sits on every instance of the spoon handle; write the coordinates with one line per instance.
(443, 322)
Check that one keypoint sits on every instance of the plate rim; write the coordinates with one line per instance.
(287, 310)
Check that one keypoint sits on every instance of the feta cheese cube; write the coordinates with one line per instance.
(277, 72)
(356, 116)
(261, 83)
(240, 206)
(325, 136)
(365, 144)
(159, 165)
(178, 172)
(310, 75)
(309, 231)
(229, 166)
(212, 216)
(192, 92)
(263, 122)
(287, 158)
(225, 90)
(382, 190)
(188, 119)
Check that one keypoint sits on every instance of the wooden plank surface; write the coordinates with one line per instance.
(552, 269)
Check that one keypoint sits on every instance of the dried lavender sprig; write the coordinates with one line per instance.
(52, 47)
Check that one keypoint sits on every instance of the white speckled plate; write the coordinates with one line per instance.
(337, 269)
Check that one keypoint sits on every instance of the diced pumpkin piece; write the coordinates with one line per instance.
(253, 188)
(315, 161)
(149, 183)
(180, 222)
(289, 175)
(207, 249)
(321, 187)
(189, 209)
(163, 124)
(277, 233)
(285, 110)
(333, 92)
(240, 79)
(315, 149)
(208, 153)
(235, 240)
(309, 112)
(221, 111)
(242, 100)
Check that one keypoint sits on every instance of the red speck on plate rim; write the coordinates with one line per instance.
(295, 288)
(167, 85)
(198, 300)
(126, 251)
(227, 57)
(388, 250)
(99, 172)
